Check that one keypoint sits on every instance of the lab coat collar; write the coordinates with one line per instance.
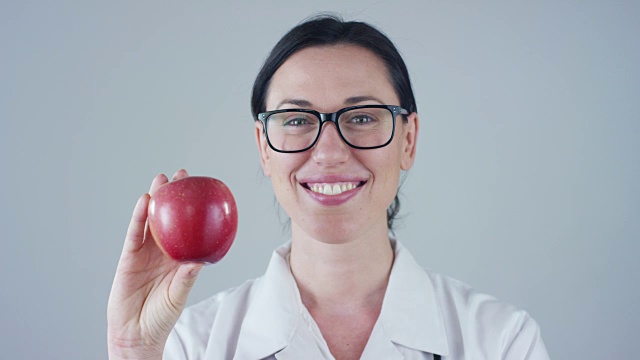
(410, 314)
(274, 313)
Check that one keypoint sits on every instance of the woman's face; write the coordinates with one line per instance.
(327, 79)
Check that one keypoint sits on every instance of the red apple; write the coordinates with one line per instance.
(193, 219)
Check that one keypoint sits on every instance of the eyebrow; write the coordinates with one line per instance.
(297, 102)
(358, 99)
(348, 101)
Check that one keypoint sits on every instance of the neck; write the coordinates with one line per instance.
(341, 276)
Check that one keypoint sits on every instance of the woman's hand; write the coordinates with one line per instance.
(149, 291)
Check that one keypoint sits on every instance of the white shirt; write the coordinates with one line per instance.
(423, 313)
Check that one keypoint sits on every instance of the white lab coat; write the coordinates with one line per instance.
(423, 313)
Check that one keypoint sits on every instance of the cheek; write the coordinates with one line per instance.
(283, 168)
(387, 160)
(279, 174)
(385, 166)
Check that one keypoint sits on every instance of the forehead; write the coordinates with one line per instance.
(326, 76)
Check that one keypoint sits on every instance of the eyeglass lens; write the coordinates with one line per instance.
(365, 127)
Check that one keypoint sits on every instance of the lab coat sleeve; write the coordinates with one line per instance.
(174, 349)
(527, 343)
(190, 336)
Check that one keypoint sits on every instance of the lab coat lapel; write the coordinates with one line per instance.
(274, 313)
(380, 347)
(301, 346)
(410, 314)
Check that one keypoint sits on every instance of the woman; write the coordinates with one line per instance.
(336, 123)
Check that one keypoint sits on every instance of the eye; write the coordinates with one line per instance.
(361, 119)
(297, 120)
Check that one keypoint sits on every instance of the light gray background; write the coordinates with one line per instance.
(525, 184)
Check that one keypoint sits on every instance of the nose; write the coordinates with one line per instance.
(330, 149)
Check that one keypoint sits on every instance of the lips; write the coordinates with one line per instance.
(332, 189)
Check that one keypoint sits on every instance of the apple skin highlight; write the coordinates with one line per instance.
(194, 219)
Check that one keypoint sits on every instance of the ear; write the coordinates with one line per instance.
(409, 140)
(263, 148)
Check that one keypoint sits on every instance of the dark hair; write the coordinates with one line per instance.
(323, 30)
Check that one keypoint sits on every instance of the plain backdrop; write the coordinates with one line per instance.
(525, 184)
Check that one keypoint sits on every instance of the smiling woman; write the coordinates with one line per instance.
(335, 124)
(350, 76)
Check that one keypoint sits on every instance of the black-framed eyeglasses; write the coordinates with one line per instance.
(361, 127)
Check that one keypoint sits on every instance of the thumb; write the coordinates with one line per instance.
(183, 283)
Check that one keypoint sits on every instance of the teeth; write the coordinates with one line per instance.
(332, 189)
